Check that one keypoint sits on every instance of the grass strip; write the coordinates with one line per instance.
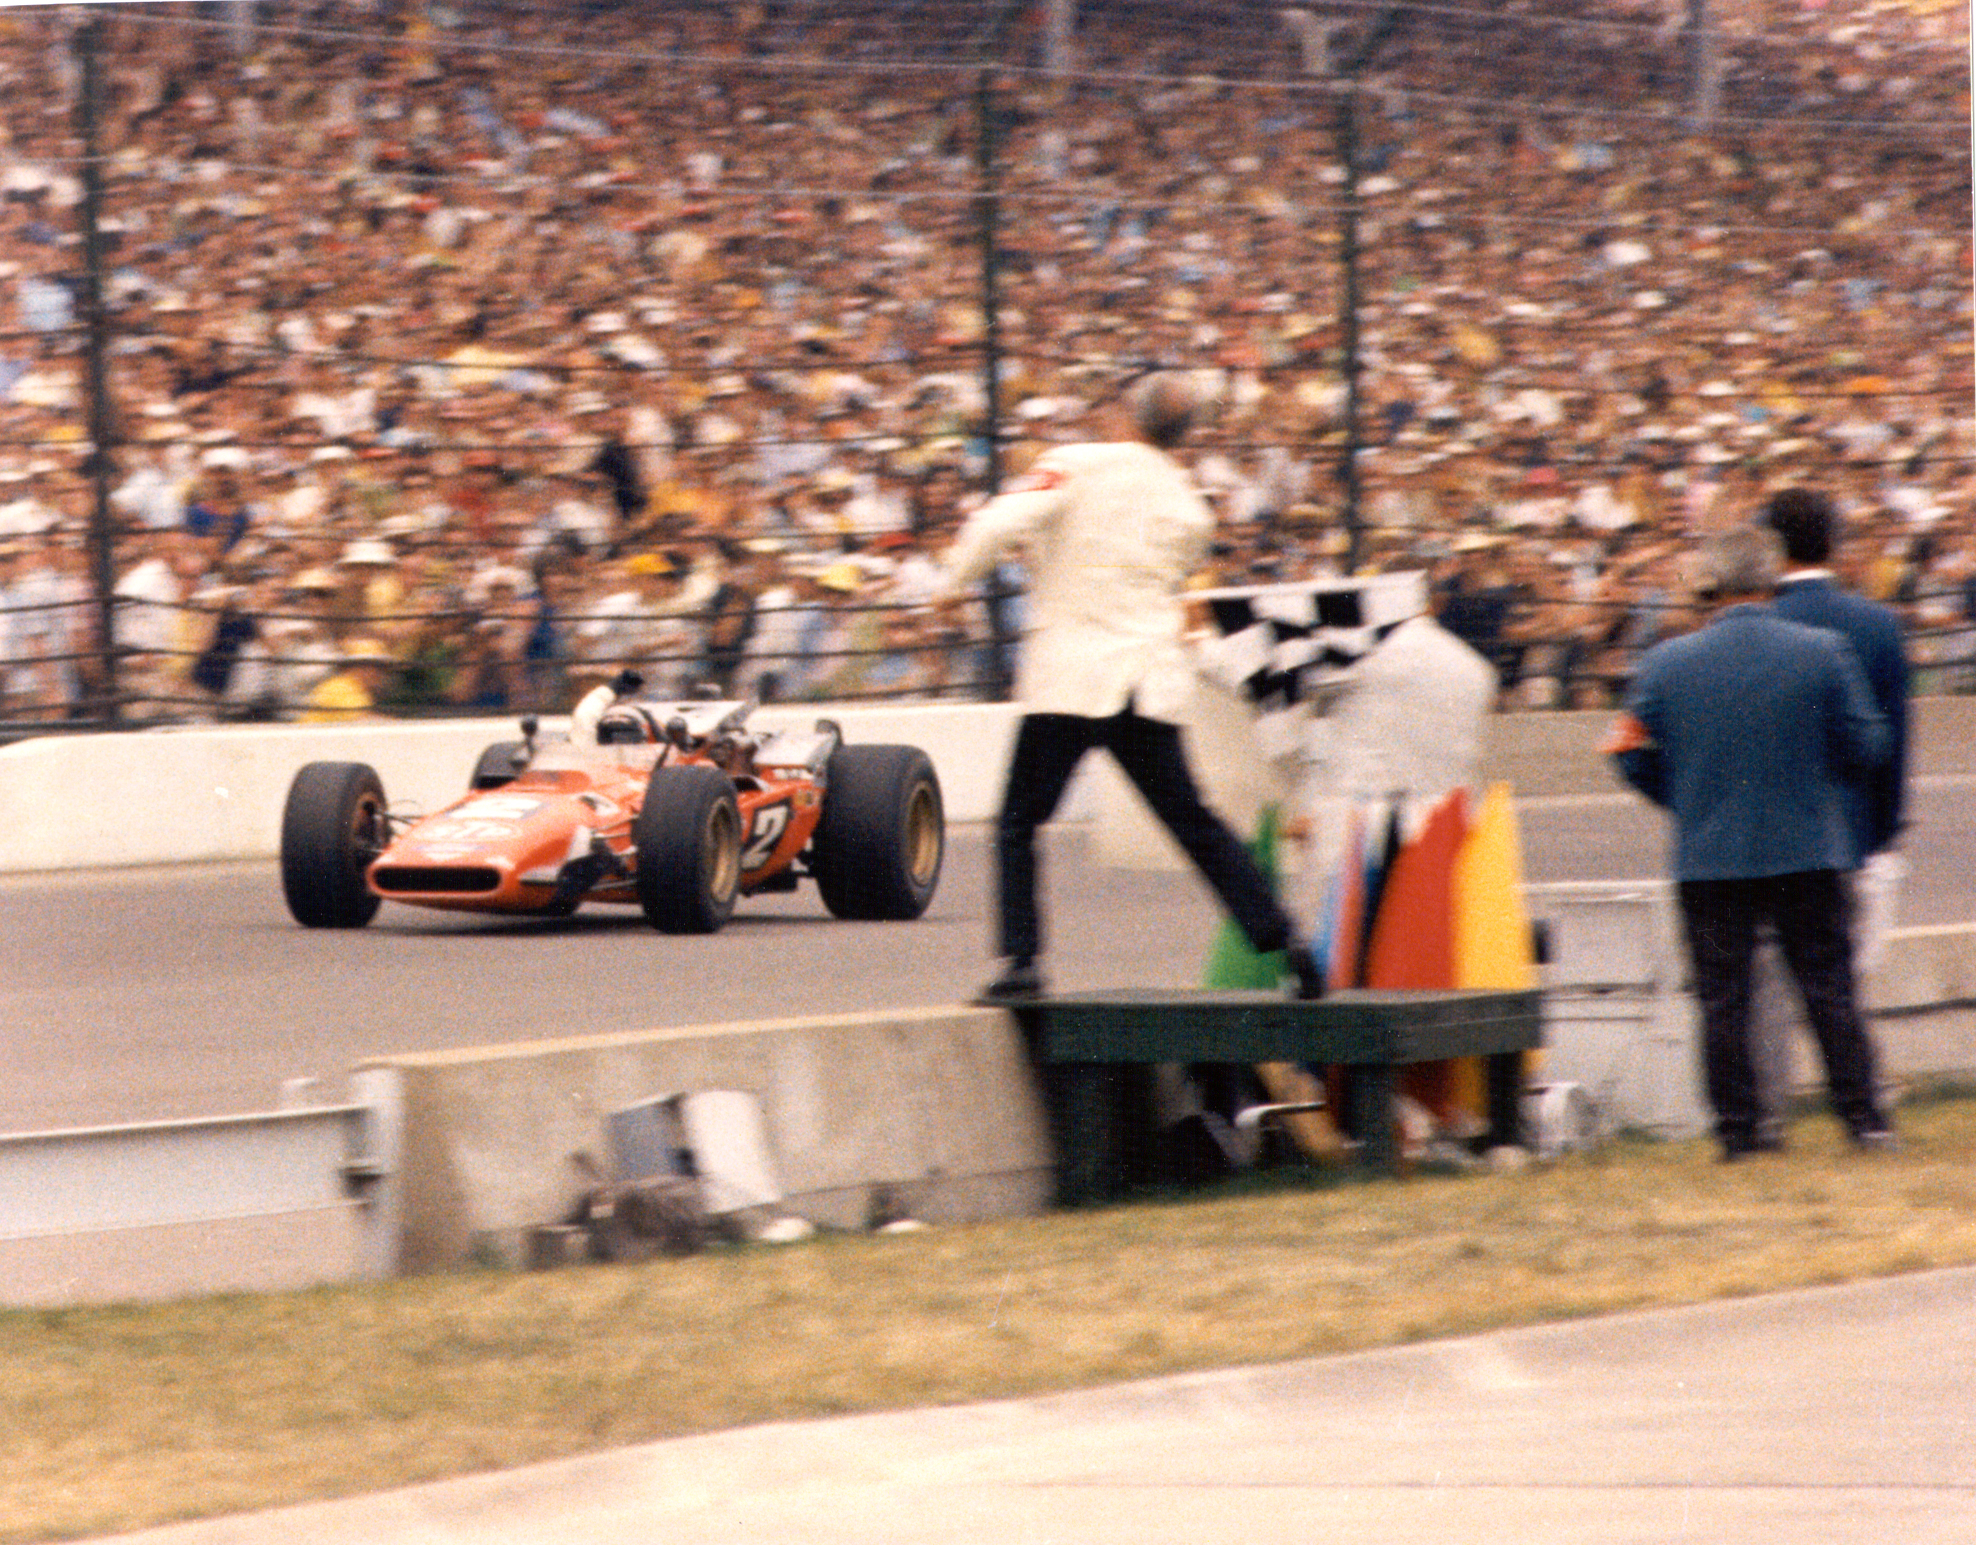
(119, 1418)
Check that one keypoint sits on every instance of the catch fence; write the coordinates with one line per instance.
(1465, 285)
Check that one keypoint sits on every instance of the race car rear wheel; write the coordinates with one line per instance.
(688, 838)
(883, 834)
(332, 827)
(498, 764)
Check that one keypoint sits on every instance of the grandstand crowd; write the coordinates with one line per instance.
(463, 353)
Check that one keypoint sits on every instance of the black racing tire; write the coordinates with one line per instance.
(688, 837)
(882, 838)
(332, 827)
(496, 766)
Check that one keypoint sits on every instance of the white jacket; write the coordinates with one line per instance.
(1112, 531)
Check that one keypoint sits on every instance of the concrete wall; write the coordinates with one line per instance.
(936, 1104)
(178, 796)
(1558, 753)
(195, 795)
(1923, 1002)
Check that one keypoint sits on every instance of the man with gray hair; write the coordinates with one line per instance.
(1748, 732)
(1112, 531)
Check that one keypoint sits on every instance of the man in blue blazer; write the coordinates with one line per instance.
(1807, 523)
(1748, 732)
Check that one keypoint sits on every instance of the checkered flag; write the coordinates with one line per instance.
(1289, 648)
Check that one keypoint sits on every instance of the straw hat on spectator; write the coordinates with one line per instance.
(364, 650)
(368, 552)
(505, 576)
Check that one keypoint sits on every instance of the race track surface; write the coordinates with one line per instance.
(187, 991)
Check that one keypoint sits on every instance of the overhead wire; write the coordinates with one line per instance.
(439, 42)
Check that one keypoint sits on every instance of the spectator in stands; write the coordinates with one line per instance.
(156, 634)
(353, 690)
(824, 617)
(217, 514)
(620, 630)
(774, 646)
(729, 617)
(230, 626)
(494, 279)
(294, 648)
(492, 675)
(551, 621)
(904, 661)
(1475, 605)
(44, 626)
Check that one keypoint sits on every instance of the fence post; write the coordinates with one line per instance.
(988, 212)
(102, 433)
(1383, 27)
(1350, 362)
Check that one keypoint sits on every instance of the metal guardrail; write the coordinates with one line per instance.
(225, 1203)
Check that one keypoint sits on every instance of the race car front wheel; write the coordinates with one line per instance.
(883, 834)
(688, 838)
(332, 827)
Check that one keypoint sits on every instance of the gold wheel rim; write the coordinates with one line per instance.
(922, 836)
(724, 844)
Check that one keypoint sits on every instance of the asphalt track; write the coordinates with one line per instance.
(186, 991)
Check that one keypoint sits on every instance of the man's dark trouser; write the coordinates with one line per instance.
(1048, 748)
(1809, 912)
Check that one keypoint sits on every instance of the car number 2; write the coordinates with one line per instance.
(771, 821)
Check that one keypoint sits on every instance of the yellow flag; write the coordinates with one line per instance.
(1492, 926)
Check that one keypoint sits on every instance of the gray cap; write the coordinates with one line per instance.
(1742, 561)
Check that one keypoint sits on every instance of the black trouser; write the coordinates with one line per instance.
(1048, 747)
(1809, 912)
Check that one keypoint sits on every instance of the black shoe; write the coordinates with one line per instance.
(1019, 982)
(1310, 975)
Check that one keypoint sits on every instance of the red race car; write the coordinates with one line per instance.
(675, 807)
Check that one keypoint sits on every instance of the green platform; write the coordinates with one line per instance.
(1079, 1039)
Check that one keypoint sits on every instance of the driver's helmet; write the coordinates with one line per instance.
(626, 724)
